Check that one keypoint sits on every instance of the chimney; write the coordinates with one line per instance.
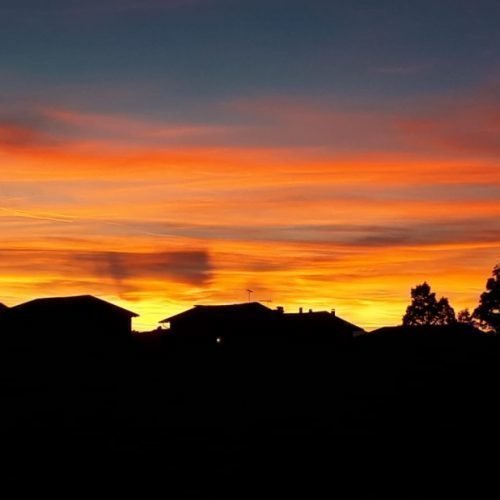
(301, 310)
(280, 309)
(333, 312)
(310, 311)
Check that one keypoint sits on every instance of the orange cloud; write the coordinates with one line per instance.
(14, 135)
(84, 209)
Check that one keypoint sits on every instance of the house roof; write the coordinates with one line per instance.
(348, 324)
(72, 302)
(436, 330)
(323, 316)
(3, 307)
(247, 308)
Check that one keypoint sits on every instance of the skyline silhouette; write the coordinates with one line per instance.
(161, 154)
(255, 393)
(424, 310)
(249, 246)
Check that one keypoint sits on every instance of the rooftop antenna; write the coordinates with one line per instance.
(249, 292)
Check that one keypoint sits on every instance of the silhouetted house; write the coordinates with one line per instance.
(221, 323)
(455, 330)
(422, 346)
(321, 326)
(422, 337)
(82, 320)
(258, 322)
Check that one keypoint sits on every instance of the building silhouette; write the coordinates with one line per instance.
(318, 326)
(445, 332)
(221, 323)
(59, 322)
(253, 321)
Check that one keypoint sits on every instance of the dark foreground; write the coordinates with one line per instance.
(374, 418)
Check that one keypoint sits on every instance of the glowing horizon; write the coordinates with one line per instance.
(159, 171)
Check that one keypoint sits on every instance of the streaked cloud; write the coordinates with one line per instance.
(309, 204)
(463, 124)
(121, 269)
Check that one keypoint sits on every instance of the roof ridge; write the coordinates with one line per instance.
(74, 298)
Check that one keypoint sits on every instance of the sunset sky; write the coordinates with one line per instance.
(325, 154)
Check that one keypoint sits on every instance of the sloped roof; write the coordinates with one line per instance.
(3, 307)
(325, 316)
(73, 302)
(348, 324)
(429, 330)
(222, 310)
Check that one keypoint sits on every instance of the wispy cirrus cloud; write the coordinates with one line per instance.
(463, 124)
(20, 134)
(405, 69)
(289, 197)
(466, 123)
(55, 127)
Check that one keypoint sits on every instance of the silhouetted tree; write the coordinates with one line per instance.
(426, 310)
(465, 317)
(445, 313)
(487, 313)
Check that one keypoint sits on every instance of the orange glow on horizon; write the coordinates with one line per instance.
(157, 228)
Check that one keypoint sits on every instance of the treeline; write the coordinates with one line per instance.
(426, 310)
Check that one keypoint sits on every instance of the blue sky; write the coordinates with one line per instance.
(176, 56)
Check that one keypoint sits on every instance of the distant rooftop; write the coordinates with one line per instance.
(430, 330)
(227, 309)
(73, 301)
(311, 315)
(251, 308)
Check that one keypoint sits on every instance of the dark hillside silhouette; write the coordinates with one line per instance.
(301, 402)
